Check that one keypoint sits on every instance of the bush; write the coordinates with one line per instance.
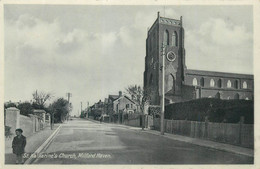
(8, 131)
(216, 110)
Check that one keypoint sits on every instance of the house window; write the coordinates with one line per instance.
(229, 84)
(131, 106)
(127, 106)
(202, 82)
(194, 82)
(244, 85)
(174, 39)
(212, 83)
(166, 37)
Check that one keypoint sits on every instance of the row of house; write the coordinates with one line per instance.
(114, 108)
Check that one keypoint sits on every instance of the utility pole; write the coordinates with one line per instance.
(69, 95)
(80, 108)
(162, 101)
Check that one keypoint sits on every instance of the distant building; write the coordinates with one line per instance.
(124, 105)
(183, 84)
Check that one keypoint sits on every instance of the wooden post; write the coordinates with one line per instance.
(206, 127)
(241, 122)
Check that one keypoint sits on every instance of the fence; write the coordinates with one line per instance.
(236, 134)
(133, 120)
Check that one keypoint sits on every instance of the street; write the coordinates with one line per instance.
(85, 142)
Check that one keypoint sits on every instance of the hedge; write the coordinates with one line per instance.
(216, 110)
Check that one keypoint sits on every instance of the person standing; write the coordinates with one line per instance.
(18, 145)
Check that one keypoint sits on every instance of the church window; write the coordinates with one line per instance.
(236, 96)
(194, 82)
(151, 79)
(166, 37)
(202, 82)
(212, 83)
(174, 39)
(244, 85)
(229, 84)
(236, 84)
(219, 83)
(218, 95)
(154, 41)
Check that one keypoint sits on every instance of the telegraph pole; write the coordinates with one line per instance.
(80, 108)
(162, 101)
(69, 95)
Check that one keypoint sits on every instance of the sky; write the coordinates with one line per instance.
(93, 51)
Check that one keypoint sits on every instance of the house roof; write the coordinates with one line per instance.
(113, 97)
(126, 98)
(39, 111)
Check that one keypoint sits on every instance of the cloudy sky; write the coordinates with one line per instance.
(93, 51)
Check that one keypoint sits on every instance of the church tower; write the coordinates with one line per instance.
(170, 33)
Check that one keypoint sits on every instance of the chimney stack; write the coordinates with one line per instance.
(120, 93)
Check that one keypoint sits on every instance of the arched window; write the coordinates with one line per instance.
(236, 96)
(229, 84)
(212, 83)
(244, 85)
(202, 82)
(219, 83)
(166, 37)
(218, 95)
(194, 82)
(151, 79)
(236, 84)
(174, 39)
(170, 84)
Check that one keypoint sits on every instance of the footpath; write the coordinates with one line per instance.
(195, 141)
(34, 142)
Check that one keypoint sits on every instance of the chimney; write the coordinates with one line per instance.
(120, 93)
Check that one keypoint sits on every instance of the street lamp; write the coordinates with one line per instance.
(162, 101)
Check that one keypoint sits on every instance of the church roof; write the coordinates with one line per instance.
(220, 74)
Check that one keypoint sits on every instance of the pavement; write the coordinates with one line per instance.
(34, 141)
(199, 142)
(89, 142)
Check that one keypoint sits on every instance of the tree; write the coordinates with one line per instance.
(60, 108)
(25, 108)
(40, 98)
(137, 95)
(7, 105)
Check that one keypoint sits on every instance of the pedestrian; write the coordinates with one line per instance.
(100, 119)
(18, 146)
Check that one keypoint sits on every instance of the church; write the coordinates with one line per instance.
(180, 83)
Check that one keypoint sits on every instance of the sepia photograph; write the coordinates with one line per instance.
(128, 84)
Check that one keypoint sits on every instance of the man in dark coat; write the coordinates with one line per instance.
(18, 145)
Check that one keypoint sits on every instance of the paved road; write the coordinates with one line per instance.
(86, 142)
